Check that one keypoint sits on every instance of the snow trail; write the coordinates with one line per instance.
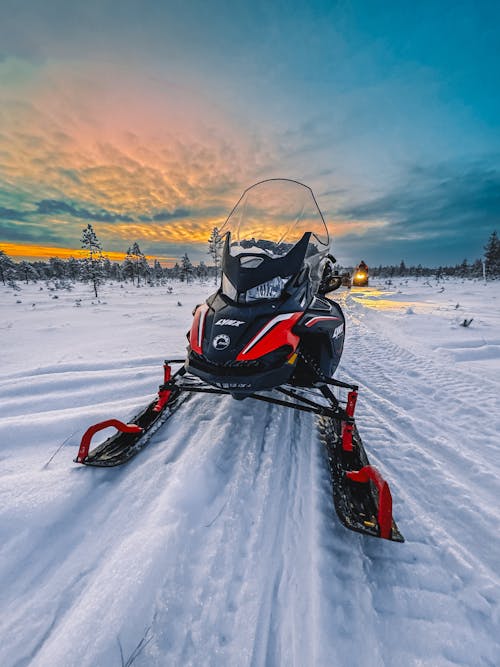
(219, 545)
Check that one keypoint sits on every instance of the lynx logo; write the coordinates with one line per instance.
(229, 323)
(338, 331)
(221, 341)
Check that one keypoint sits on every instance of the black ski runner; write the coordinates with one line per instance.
(362, 498)
(122, 446)
(135, 435)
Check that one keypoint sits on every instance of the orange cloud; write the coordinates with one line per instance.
(358, 227)
(186, 231)
(101, 138)
(79, 135)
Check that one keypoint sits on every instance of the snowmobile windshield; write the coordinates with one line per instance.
(271, 217)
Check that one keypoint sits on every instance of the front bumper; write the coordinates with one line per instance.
(243, 377)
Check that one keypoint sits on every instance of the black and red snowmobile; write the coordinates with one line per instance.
(271, 334)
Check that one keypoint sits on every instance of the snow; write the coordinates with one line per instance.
(218, 544)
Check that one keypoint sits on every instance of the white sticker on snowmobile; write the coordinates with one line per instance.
(338, 331)
(221, 341)
(229, 323)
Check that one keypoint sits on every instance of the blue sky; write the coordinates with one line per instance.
(127, 113)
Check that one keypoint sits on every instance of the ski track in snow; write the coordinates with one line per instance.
(219, 545)
(438, 455)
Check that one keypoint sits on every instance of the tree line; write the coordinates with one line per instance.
(95, 268)
(488, 266)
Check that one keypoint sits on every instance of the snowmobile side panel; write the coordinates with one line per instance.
(276, 333)
(198, 327)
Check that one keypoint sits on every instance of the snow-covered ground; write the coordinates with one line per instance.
(218, 544)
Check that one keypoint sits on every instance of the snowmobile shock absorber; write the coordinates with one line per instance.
(367, 474)
(92, 430)
(163, 393)
(347, 427)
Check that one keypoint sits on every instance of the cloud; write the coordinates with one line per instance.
(28, 232)
(437, 200)
(149, 158)
(141, 159)
(52, 206)
(164, 216)
(445, 211)
(11, 214)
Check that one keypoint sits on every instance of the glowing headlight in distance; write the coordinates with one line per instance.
(228, 288)
(269, 290)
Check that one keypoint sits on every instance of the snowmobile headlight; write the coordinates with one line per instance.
(228, 288)
(269, 290)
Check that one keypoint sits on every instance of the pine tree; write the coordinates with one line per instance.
(138, 260)
(186, 268)
(106, 268)
(92, 264)
(128, 267)
(157, 271)
(73, 268)
(27, 272)
(463, 269)
(202, 270)
(214, 246)
(10, 275)
(57, 267)
(175, 271)
(492, 256)
(144, 269)
(476, 269)
(6, 266)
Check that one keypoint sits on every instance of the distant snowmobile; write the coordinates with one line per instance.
(269, 333)
(360, 276)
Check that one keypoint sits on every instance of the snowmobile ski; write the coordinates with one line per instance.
(361, 496)
(131, 438)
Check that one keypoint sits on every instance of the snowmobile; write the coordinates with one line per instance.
(270, 333)
(360, 277)
(345, 279)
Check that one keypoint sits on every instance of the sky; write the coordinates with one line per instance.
(149, 118)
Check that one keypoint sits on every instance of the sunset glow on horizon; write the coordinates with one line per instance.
(23, 251)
